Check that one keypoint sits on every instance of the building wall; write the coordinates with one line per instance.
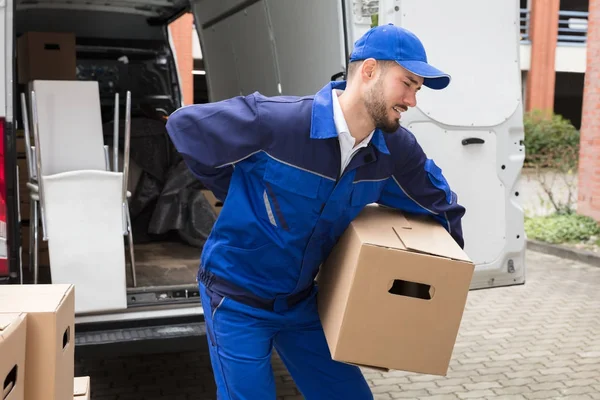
(589, 159)
(181, 35)
(543, 35)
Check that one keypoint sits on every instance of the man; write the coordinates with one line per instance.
(294, 172)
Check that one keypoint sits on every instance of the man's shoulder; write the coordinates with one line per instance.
(400, 141)
(283, 102)
(282, 99)
(284, 109)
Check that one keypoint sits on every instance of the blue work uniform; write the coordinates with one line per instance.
(275, 162)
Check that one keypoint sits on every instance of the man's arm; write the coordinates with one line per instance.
(418, 186)
(212, 137)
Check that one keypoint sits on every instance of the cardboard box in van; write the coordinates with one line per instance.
(215, 203)
(13, 330)
(393, 291)
(81, 388)
(50, 347)
(46, 56)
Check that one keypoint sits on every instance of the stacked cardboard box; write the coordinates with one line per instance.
(13, 330)
(46, 56)
(37, 343)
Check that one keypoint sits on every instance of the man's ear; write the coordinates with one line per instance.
(368, 69)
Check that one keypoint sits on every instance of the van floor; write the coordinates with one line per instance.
(164, 264)
(169, 263)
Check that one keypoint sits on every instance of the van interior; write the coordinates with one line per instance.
(125, 46)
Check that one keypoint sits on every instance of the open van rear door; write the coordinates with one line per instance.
(271, 46)
(474, 128)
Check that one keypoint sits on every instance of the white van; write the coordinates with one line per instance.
(473, 129)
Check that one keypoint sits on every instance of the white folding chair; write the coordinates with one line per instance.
(67, 130)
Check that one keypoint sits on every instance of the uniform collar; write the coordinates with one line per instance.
(323, 124)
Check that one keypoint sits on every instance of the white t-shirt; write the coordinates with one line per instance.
(348, 146)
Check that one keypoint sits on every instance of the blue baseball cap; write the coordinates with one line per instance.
(393, 43)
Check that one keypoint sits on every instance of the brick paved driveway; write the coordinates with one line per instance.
(537, 341)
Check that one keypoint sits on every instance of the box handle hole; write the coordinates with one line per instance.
(416, 290)
(9, 383)
(66, 337)
(51, 46)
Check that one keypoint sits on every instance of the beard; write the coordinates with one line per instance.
(378, 110)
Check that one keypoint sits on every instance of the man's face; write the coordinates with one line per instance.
(390, 94)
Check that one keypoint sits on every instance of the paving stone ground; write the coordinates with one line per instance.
(540, 340)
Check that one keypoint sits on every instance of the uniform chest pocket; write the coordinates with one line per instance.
(366, 192)
(291, 195)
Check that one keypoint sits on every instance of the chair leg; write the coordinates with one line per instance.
(130, 240)
(35, 243)
(32, 216)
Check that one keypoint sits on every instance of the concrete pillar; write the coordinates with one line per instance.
(588, 202)
(543, 32)
(181, 33)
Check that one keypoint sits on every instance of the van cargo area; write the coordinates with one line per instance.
(171, 213)
(251, 46)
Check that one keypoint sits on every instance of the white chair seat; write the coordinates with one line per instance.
(84, 223)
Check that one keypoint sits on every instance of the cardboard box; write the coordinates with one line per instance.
(393, 292)
(81, 388)
(46, 56)
(50, 352)
(13, 331)
(215, 203)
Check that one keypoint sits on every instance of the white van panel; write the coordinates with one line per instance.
(211, 9)
(474, 41)
(3, 65)
(465, 168)
(483, 101)
(219, 62)
(238, 54)
(267, 47)
(6, 67)
(251, 40)
(304, 66)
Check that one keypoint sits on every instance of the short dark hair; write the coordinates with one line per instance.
(353, 66)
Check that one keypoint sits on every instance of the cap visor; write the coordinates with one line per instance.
(433, 77)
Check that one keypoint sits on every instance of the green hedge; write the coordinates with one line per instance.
(565, 228)
(550, 140)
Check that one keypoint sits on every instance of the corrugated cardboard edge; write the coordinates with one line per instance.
(81, 386)
(68, 289)
(10, 321)
(457, 254)
(351, 236)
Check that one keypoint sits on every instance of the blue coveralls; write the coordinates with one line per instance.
(275, 161)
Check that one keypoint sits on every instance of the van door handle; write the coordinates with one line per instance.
(472, 140)
(338, 75)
